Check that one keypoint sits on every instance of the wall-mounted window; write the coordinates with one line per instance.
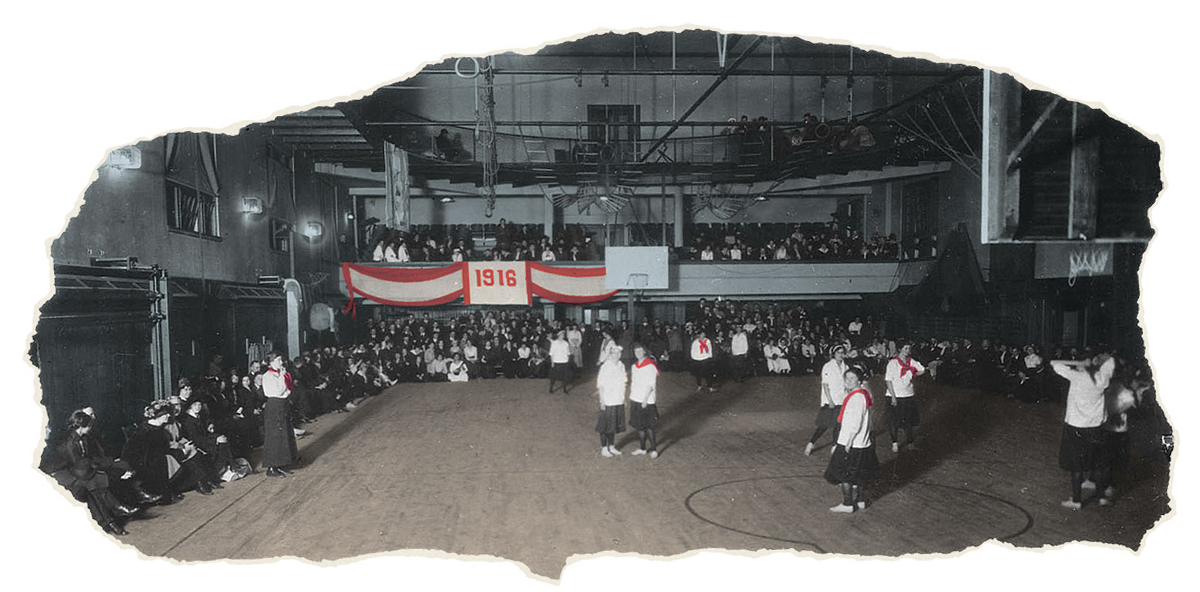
(192, 210)
(281, 236)
(192, 192)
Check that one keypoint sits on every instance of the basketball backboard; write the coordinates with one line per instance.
(636, 268)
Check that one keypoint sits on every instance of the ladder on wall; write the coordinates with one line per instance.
(538, 154)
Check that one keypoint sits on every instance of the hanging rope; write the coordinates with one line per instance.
(850, 88)
(487, 139)
(824, 81)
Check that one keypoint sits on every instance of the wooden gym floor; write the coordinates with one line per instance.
(501, 468)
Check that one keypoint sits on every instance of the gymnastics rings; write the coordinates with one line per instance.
(477, 68)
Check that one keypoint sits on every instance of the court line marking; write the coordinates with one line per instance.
(688, 504)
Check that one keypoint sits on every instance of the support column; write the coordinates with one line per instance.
(160, 335)
(291, 289)
(1000, 189)
(1085, 164)
(888, 201)
(548, 215)
(677, 192)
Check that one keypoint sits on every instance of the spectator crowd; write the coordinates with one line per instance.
(503, 242)
(805, 242)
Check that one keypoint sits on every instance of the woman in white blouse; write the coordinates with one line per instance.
(776, 354)
(854, 461)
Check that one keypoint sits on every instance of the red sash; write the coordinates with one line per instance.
(865, 393)
(703, 346)
(287, 378)
(906, 366)
(647, 361)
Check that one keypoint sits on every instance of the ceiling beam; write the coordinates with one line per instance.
(1014, 158)
(795, 72)
(314, 131)
(712, 88)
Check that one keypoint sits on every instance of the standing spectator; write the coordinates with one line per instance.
(279, 443)
(739, 350)
(575, 342)
(560, 361)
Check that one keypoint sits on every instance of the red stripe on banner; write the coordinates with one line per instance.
(346, 278)
(436, 301)
(404, 274)
(529, 283)
(568, 271)
(541, 292)
(350, 289)
(466, 283)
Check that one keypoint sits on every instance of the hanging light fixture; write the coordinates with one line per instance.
(129, 157)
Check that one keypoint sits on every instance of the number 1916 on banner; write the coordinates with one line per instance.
(496, 282)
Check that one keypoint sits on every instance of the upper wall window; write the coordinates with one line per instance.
(192, 210)
(192, 191)
(281, 236)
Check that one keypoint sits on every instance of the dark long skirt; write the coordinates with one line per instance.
(1116, 452)
(611, 420)
(827, 416)
(279, 442)
(1081, 448)
(856, 466)
(903, 413)
(561, 373)
(643, 418)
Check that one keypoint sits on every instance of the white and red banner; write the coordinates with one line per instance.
(476, 282)
(496, 282)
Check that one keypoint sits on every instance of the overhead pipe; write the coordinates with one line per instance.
(571, 73)
(463, 123)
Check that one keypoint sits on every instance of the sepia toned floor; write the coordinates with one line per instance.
(500, 468)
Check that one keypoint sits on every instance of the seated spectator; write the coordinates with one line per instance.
(776, 354)
(456, 371)
(166, 464)
(82, 467)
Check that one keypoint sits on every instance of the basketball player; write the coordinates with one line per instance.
(902, 402)
(833, 389)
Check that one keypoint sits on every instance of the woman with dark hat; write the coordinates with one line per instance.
(164, 463)
(279, 441)
(80, 468)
